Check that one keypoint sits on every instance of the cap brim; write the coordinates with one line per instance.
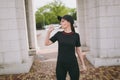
(59, 18)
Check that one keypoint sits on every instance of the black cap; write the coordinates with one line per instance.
(66, 17)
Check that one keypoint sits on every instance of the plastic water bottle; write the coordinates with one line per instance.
(55, 27)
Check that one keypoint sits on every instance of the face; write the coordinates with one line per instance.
(64, 23)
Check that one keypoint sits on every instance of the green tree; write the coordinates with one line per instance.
(48, 14)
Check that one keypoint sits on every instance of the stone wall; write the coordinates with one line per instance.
(109, 23)
(14, 48)
(102, 28)
(9, 33)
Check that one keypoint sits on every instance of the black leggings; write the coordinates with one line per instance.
(72, 69)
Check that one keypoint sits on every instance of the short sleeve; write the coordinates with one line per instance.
(54, 37)
(78, 44)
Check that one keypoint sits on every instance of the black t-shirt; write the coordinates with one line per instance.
(66, 45)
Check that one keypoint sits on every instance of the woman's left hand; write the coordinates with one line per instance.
(84, 68)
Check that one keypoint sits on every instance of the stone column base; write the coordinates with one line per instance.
(97, 62)
(17, 68)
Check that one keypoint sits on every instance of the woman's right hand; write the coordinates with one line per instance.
(50, 29)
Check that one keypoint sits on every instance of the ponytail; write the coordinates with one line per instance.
(72, 28)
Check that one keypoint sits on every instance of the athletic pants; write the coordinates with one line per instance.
(62, 69)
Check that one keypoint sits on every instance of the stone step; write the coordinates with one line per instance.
(17, 68)
(97, 62)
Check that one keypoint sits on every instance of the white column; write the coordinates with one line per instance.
(81, 21)
(14, 57)
(30, 18)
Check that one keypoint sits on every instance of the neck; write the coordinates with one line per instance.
(67, 30)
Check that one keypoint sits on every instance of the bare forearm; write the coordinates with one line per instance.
(47, 38)
(81, 57)
(47, 41)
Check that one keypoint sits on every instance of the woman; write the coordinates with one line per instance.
(68, 43)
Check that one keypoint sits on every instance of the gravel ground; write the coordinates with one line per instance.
(45, 70)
